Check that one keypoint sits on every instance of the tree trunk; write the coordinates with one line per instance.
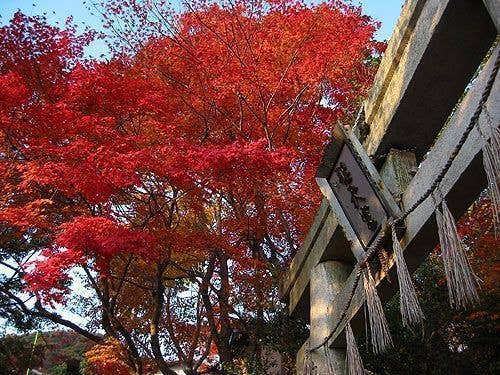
(225, 322)
(158, 301)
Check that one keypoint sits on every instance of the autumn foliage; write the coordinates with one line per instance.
(176, 177)
(107, 358)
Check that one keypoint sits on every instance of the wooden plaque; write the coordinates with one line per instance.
(345, 176)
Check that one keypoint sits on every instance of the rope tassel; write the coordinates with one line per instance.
(459, 275)
(379, 329)
(491, 162)
(309, 367)
(354, 361)
(329, 360)
(411, 311)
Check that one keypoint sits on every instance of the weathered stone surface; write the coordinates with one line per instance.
(318, 358)
(327, 281)
(493, 7)
(466, 177)
(435, 49)
(398, 171)
(295, 267)
(329, 237)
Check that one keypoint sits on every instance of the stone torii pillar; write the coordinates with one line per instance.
(327, 281)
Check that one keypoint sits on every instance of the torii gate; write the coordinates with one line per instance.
(435, 49)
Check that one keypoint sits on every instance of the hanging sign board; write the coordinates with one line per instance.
(349, 181)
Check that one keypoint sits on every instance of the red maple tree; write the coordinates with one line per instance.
(178, 176)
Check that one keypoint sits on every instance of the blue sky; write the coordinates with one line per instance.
(386, 11)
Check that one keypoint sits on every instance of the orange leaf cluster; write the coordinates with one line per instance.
(108, 358)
